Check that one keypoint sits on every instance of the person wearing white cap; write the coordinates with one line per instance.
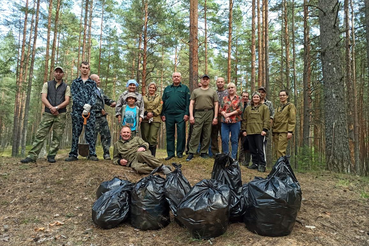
(55, 95)
(131, 88)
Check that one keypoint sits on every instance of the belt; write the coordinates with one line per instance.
(204, 110)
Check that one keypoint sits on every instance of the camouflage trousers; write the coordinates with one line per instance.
(57, 122)
(102, 127)
(77, 123)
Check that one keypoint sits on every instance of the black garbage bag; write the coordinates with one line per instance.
(176, 187)
(204, 211)
(274, 201)
(110, 185)
(227, 171)
(149, 208)
(112, 207)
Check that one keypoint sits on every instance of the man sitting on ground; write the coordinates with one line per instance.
(134, 152)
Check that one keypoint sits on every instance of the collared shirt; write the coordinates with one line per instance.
(176, 100)
(229, 105)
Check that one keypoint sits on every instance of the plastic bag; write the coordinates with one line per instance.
(149, 208)
(176, 187)
(274, 201)
(227, 171)
(112, 207)
(110, 185)
(204, 211)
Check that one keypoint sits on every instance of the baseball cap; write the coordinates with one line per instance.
(131, 94)
(205, 75)
(59, 67)
(262, 89)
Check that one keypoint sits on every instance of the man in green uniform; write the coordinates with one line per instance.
(204, 101)
(55, 95)
(176, 99)
(134, 152)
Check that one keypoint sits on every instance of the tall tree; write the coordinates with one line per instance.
(367, 30)
(306, 77)
(193, 57)
(47, 56)
(253, 47)
(230, 15)
(53, 47)
(337, 149)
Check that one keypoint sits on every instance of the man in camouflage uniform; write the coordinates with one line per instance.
(84, 97)
(55, 95)
(101, 124)
(134, 152)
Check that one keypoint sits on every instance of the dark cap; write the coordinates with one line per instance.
(205, 75)
(262, 89)
(59, 67)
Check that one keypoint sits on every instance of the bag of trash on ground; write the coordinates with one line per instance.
(149, 208)
(204, 211)
(274, 201)
(176, 187)
(110, 185)
(227, 171)
(112, 207)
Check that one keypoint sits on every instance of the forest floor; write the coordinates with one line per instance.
(50, 204)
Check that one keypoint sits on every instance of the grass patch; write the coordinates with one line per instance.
(24, 167)
(30, 220)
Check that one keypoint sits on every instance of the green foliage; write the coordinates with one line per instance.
(310, 160)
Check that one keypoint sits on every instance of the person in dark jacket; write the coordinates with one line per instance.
(83, 91)
(102, 125)
(176, 99)
(55, 95)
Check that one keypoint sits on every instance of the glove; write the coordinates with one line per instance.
(85, 112)
(87, 107)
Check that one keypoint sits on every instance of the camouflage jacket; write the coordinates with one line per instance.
(128, 149)
(101, 100)
(82, 93)
(270, 106)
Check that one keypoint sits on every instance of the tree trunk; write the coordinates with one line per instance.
(229, 68)
(367, 30)
(287, 44)
(89, 30)
(193, 57)
(47, 57)
(294, 79)
(53, 48)
(260, 50)
(85, 31)
(206, 39)
(337, 147)
(19, 84)
(80, 36)
(306, 78)
(266, 52)
(29, 87)
(145, 40)
(253, 48)
(101, 35)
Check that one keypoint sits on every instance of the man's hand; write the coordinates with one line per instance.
(244, 133)
(85, 112)
(185, 117)
(140, 119)
(192, 120)
(149, 115)
(123, 162)
(289, 135)
(141, 149)
(263, 133)
(215, 121)
(163, 118)
(113, 104)
(87, 107)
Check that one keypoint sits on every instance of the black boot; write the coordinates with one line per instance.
(152, 150)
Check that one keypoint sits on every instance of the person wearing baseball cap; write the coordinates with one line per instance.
(131, 88)
(55, 95)
(130, 113)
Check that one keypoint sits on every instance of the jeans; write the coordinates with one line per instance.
(234, 129)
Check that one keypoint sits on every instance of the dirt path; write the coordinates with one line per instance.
(50, 204)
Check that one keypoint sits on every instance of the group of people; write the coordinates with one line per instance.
(211, 113)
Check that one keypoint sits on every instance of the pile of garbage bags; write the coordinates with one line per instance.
(268, 206)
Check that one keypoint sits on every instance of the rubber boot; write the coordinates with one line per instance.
(152, 150)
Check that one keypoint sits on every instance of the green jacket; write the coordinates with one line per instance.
(255, 119)
(153, 104)
(176, 100)
(285, 118)
(128, 149)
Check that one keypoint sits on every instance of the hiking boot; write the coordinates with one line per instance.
(205, 156)
(51, 159)
(169, 157)
(166, 169)
(27, 160)
(71, 158)
(107, 157)
(93, 158)
(189, 157)
(261, 168)
(253, 166)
